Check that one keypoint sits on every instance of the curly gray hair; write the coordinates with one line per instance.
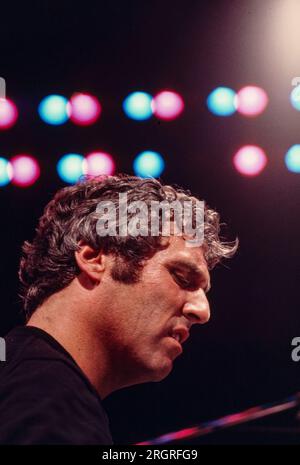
(48, 263)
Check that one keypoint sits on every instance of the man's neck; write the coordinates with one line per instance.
(64, 320)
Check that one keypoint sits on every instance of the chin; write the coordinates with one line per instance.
(161, 372)
(153, 367)
(159, 378)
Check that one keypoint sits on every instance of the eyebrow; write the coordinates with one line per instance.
(191, 268)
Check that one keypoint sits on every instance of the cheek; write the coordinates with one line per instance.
(162, 301)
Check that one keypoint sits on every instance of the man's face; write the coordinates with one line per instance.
(141, 321)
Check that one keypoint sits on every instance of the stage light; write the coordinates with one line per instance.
(8, 113)
(148, 164)
(25, 170)
(6, 172)
(85, 109)
(97, 163)
(221, 101)
(295, 97)
(292, 159)
(70, 167)
(167, 105)
(250, 160)
(54, 109)
(137, 106)
(251, 101)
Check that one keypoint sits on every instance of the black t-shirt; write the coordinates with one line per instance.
(45, 398)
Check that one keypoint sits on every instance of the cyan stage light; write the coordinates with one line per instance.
(295, 97)
(6, 172)
(54, 109)
(138, 106)
(148, 164)
(70, 167)
(292, 159)
(221, 101)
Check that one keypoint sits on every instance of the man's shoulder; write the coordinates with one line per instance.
(43, 388)
(28, 342)
(46, 402)
(32, 355)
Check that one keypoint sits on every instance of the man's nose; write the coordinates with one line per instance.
(197, 309)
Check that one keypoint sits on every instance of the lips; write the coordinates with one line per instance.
(180, 334)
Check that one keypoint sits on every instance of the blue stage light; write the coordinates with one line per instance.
(295, 97)
(221, 101)
(292, 159)
(54, 109)
(5, 171)
(148, 164)
(138, 106)
(70, 167)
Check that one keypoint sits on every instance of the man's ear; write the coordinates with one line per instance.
(90, 261)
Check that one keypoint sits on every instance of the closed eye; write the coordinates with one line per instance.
(185, 283)
(189, 277)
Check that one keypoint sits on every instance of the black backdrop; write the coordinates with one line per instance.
(243, 356)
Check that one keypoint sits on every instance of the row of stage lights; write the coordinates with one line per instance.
(23, 170)
(85, 109)
(249, 101)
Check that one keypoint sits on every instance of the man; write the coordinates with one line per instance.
(103, 311)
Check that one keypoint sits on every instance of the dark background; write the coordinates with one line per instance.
(110, 48)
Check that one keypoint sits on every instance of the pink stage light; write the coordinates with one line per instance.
(8, 113)
(250, 160)
(84, 109)
(251, 101)
(167, 105)
(97, 163)
(25, 170)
